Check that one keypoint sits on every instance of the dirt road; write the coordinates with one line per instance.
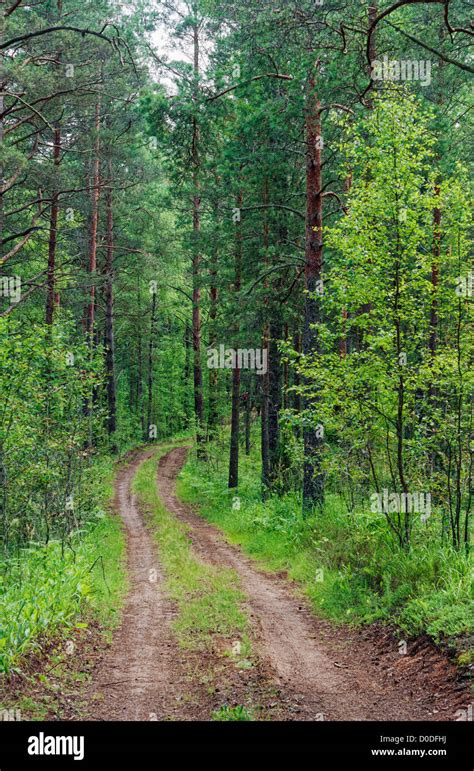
(139, 678)
(316, 670)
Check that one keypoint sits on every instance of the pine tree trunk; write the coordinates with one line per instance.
(234, 430)
(313, 481)
(236, 373)
(265, 378)
(266, 482)
(151, 348)
(53, 229)
(90, 320)
(297, 402)
(274, 365)
(187, 374)
(196, 266)
(92, 262)
(213, 416)
(109, 311)
(286, 375)
(435, 278)
(248, 419)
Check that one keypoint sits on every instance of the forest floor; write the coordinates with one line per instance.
(300, 667)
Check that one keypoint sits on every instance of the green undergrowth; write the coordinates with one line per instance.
(348, 565)
(208, 600)
(48, 590)
(228, 714)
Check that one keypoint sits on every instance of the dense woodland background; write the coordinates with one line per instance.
(177, 176)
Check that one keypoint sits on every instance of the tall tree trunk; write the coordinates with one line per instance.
(274, 358)
(3, 85)
(265, 378)
(435, 268)
(92, 262)
(248, 417)
(313, 481)
(298, 346)
(213, 415)
(274, 402)
(53, 228)
(196, 267)
(366, 307)
(265, 400)
(140, 408)
(405, 526)
(286, 375)
(93, 226)
(186, 375)
(236, 373)
(151, 348)
(234, 430)
(109, 310)
(53, 220)
(435, 277)
(371, 16)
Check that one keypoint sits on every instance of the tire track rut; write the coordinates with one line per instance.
(139, 677)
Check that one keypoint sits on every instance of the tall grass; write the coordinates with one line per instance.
(47, 590)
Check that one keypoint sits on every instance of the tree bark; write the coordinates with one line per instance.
(313, 482)
(53, 229)
(248, 418)
(186, 375)
(213, 415)
(109, 310)
(151, 348)
(90, 320)
(371, 16)
(274, 384)
(196, 265)
(234, 430)
(297, 402)
(236, 373)
(265, 378)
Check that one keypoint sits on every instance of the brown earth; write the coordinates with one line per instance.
(145, 675)
(139, 676)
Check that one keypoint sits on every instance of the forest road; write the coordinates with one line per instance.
(316, 671)
(139, 677)
(330, 673)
